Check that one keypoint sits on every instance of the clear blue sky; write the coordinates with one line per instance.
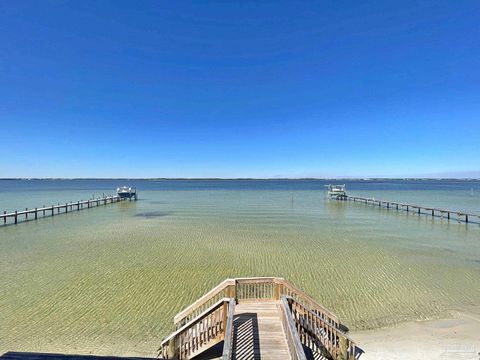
(239, 89)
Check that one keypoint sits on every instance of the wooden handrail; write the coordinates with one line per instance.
(228, 338)
(255, 288)
(207, 329)
(318, 335)
(302, 297)
(293, 339)
(186, 313)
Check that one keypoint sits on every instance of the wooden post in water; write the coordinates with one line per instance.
(433, 212)
(419, 210)
(36, 213)
(16, 219)
(4, 218)
(43, 210)
(26, 213)
(66, 208)
(466, 218)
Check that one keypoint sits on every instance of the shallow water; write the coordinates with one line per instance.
(110, 279)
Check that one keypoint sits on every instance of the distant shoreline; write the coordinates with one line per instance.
(257, 179)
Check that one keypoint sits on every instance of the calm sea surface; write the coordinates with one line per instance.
(110, 279)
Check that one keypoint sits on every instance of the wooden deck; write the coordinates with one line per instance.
(258, 332)
(258, 318)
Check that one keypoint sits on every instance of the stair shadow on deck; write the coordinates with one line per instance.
(12, 355)
(246, 343)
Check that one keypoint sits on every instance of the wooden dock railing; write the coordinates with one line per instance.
(307, 325)
(45, 211)
(255, 289)
(460, 216)
(222, 290)
(206, 330)
(293, 339)
(228, 338)
(319, 336)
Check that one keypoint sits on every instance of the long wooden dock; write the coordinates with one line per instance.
(418, 209)
(258, 318)
(44, 211)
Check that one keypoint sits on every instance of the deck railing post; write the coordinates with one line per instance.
(225, 317)
(276, 290)
(232, 291)
(172, 349)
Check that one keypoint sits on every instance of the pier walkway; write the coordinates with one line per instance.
(459, 216)
(44, 211)
(258, 318)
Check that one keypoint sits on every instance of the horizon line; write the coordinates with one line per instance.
(242, 178)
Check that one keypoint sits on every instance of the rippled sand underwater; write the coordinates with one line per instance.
(109, 280)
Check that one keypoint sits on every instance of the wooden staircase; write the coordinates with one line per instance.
(258, 318)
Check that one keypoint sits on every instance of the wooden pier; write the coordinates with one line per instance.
(258, 318)
(417, 209)
(47, 211)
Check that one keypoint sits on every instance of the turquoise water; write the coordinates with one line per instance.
(109, 279)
